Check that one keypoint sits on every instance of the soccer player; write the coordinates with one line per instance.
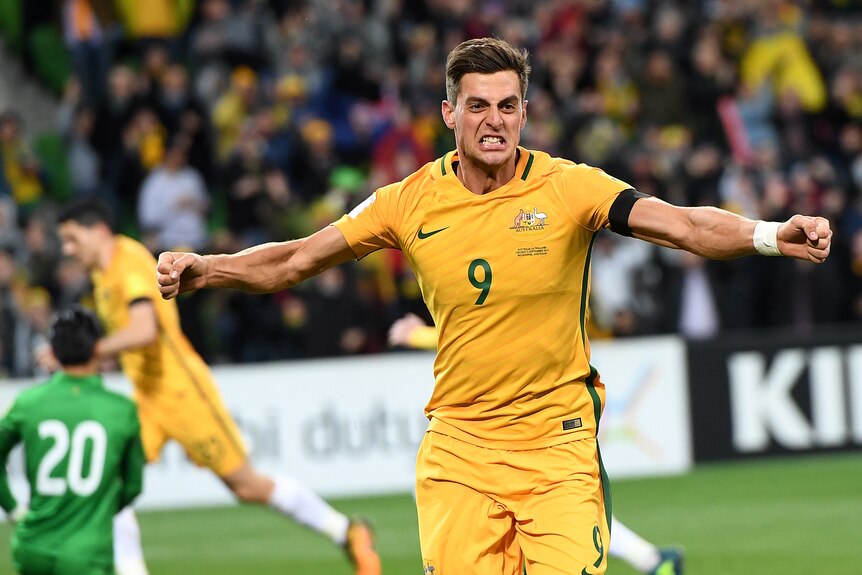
(84, 458)
(411, 331)
(500, 237)
(174, 389)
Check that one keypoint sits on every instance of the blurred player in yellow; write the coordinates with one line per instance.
(509, 473)
(411, 331)
(175, 392)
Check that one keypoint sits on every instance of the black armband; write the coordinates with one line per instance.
(621, 208)
(141, 299)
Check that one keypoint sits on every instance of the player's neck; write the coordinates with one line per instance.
(84, 370)
(482, 179)
(106, 251)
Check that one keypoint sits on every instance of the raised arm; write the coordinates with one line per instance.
(718, 234)
(264, 268)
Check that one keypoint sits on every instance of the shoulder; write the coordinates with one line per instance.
(130, 251)
(583, 171)
(193, 176)
(401, 192)
(29, 398)
(542, 163)
(35, 394)
(152, 180)
(571, 174)
(549, 171)
(554, 170)
(122, 403)
(562, 166)
(417, 180)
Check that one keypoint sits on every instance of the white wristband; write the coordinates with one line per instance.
(766, 238)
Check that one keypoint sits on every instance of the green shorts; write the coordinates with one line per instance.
(30, 561)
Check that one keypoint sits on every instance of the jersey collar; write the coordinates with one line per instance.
(447, 166)
(67, 378)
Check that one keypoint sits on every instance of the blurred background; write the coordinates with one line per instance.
(284, 114)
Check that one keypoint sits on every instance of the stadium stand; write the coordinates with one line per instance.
(756, 107)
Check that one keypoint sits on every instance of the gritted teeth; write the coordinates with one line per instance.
(492, 140)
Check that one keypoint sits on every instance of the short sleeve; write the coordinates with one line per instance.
(138, 284)
(589, 193)
(424, 337)
(370, 225)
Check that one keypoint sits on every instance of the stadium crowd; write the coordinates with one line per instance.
(218, 124)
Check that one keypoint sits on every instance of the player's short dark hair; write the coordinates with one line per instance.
(73, 334)
(485, 56)
(87, 212)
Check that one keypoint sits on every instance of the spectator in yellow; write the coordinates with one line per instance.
(145, 137)
(617, 90)
(155, 19)
(234, 108)
(779, 54)
(290, 93)
(19, 176)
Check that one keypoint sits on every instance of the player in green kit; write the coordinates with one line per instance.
(84, 459)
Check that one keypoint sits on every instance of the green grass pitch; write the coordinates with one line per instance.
(779, 517)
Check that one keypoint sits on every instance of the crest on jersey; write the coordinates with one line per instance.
(429, 567)
(530, 220)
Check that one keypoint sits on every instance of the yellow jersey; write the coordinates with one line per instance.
(423, 337)
(506, 278)
(163, 369)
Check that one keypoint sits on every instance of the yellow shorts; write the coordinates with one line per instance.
(491, 511)
(195, 417)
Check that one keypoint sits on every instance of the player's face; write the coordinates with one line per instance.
(487, 118)
(80, 243)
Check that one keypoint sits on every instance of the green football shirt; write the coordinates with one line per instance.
(84, 462)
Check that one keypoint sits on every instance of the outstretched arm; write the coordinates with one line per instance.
(264, 268)
(718, 234)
